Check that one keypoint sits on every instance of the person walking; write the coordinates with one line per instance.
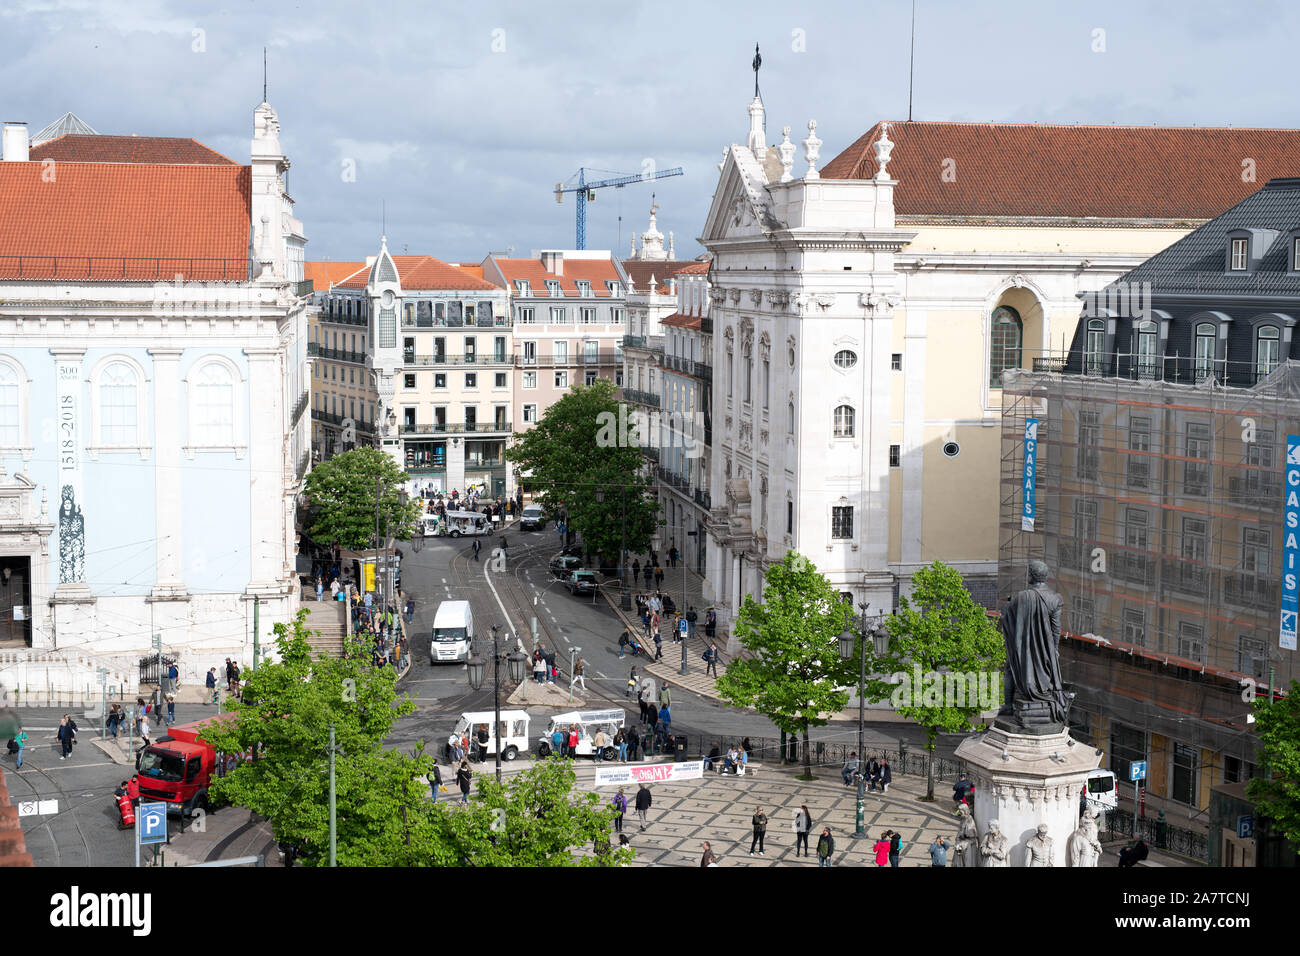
(20, 739)
(646, 573)
(550, 663)
(711, 660)
(631, 682)
(320, 589)
(477, 546)
(643, 804)
(659, 643)
(659, 577)
(636, 570)
(666, 721)
(939, 852)
(463, 776)
(760, 830)
(633, 743)
(579, 669)
(641, 701)
(435, 781)
(622, 643)
(620, 808)
(598, 745)
(802, 827)
(171, 709)
(652, 715)
(211, 683)
(895, 847)
(559, 742)
(691, 618)
(881, 849)
(665, 697)
(410, 609)
(708, 859)
(825, 847)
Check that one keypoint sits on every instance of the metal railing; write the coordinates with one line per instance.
(300, 407)
(332, 418)
(304, 287)
(1247, 588)
(641, 398)
(441, 358)
(123, 268)
(433, 322)
(634, 341)
(1160, 835)
(827, 754)
(456, 428)
(360, 320)
(702, 498)
(338, 355)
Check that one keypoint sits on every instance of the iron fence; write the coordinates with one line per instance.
(834, 754)
(1161, 835)
(153, 667)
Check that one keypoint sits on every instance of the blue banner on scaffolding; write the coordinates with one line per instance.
(1027, 480)
(1290, 546)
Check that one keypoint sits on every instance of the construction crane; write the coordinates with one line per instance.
(586, 194)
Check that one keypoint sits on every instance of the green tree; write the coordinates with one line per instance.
(344, 493)
(942, 636)
(582, 456)
(795, 676)
(535, 818)
(1277, 794)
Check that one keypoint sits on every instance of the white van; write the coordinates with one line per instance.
(453, 629)
(1102, 792)
(513, 732)
(466, 522)
(588, 723)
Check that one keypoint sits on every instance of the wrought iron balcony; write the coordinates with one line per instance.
(441, 358)
(337, 355)
(641, 398)
(458, 428)
(1252, 589)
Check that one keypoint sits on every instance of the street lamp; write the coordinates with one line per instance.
(846, 641)
(514, 671)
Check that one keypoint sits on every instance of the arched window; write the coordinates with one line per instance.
(1204, 351)
(1146, 340)
(844, 421)
(11, 408)
(212, 395)
(1004, 344)
(1268, 350)
(1095, 347)
(119, 400)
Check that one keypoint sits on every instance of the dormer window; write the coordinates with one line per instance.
(1295, 253)
(614, 288)
(521, 286)
(584, 288)
(1237, 255)
(553, 288)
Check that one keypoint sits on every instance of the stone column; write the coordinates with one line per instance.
(168, 407)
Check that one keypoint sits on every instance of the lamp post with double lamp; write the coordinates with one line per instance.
(515, 668)
(846, 641)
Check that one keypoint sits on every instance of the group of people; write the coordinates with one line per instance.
(876, 773)
(545, 670)
(803, 828)
(380, 626)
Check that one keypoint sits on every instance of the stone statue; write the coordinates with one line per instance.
(967, 838)
(1031, 627)
(1085, 848)
(993, 851)
(1038, 848)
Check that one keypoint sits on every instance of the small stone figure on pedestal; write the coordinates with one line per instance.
(1031, 626)
(967, 839)
(993, 851)
(1085, 848)
(1038, 848)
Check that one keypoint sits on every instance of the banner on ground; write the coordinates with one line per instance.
(649, 773)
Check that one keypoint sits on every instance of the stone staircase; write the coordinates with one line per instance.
(330, 619)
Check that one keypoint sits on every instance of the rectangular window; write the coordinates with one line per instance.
(1186, 775)
(1196, 474)
(1127, 744)
(842, 522)
(1191, 641)
(499, 380)
(499, 348)
(896, 362)
(499, 417)
(1137, 539)
(558, 315)
(1238, 255)
(584, 288)
(615, 288)
(471, 380)
(590, 377)
(789, 517)
(1083, 615)
(617, 316)
(526, 315)
(618, 377)
(439, 379)
(1231, 769)
(588, 316)
(530, 414)
(1139, 440)
(117, 408)
(1135, 626)
(895, 456)
(561, 379)
(1257, 550)
(1252, 658)
(1089, 445)
(553, 288)
(530, 379)
(408, 381)
(521, 286)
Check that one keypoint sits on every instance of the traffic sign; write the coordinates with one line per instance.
(1137, 770)
(153, 823)
(681, 627)
(1245, 827)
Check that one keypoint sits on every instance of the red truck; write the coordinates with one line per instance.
(177, 769)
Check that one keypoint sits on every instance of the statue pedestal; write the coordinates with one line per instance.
(1023, 779)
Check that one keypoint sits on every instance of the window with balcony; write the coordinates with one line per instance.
(1089, 457)
(842, 522)
(843, 422)
(526, 315)
(1139, 442)
(1085, 522)
(1094, 359)
(1083, 615)
(1252, 657)
(561, 352)
(499, 348)
(1268, 350)
(1205, 339)
(1137, 538)
(1257, 550)
(1196, 474)
(529, 354)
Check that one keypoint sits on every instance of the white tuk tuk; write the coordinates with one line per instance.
(466, 522)
(482, 742)
(588, 722)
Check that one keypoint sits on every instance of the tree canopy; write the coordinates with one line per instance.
(795, 676)
(1277, 794)
(344, 491)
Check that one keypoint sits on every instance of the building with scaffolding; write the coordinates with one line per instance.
(1154, 491)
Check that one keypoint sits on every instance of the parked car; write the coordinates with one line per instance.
(563, 565)
(532, 518)
(581, 582)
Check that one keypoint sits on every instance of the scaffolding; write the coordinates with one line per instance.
(1158, 509)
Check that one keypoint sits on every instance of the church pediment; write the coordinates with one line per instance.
(740, 207)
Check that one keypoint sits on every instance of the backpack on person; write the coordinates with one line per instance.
(13, 745)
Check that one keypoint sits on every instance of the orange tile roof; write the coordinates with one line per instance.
(696, 268)
(1040, 170)
(425, 273)
(640, 271)
(80, 148)
(325, 274)
(680, 321)
(595, 271)
(135, 222)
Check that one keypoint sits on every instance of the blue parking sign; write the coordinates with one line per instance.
(153, 823)
(1137, 770)
(681, 627)
(1245, 828)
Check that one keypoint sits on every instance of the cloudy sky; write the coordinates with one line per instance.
(462, 117)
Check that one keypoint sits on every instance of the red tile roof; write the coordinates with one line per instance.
(425, 273)
(78, 148)
(640, 271)
(595, 271)
(679, 321)
(122, 221)
(696, 268)
(325, 274)
(1033, 170)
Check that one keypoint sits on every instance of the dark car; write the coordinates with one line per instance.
(581, 582)
(563, 565)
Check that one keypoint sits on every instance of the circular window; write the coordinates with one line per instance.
(951, 449)
(846, 358)
(388, 298)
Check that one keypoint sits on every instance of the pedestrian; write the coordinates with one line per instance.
(665, 698)
(643, 804)
(20, 739)
(711, 625)
(691, 618)
(646, 572)
(938, 852)
(802, 827)
(622, 643)
(598, 745)
(476, 548)
(873, 773)
(463, 776)
(711, 658)
(620, 743)
(574, 738)
(334, 589)
(230, 677)
(895, 847)
(559, 741)
(652, 714)
(631, 682)
(171, 709)
(620, 808)
(672, 554)
(708, 859)
(961, 790)
(410, 609)
(320, 589)
(579, 668)
(234, 679)
(825, 847)
(211, 682)
(665, 719)
(881, 849)
(115, 719)
(641, 702)
(173, 676)
(550, 662)
(539, 667)
(636, 570)
(659, 576)
(659, 644)
(435, 782)
(760, 830)
(886, 778)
